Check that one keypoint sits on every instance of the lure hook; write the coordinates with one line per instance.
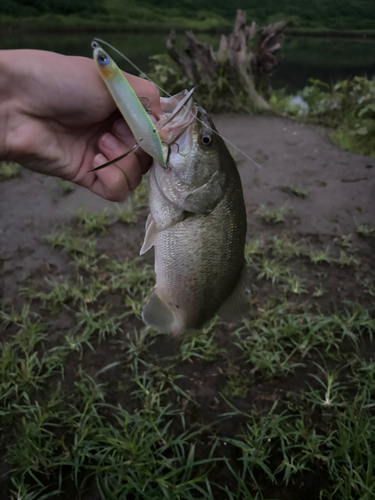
(169, 95)
(167, 168)
(147, 106)
(115, 159)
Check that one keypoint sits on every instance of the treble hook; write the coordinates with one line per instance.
(147, 106)
(167, 167)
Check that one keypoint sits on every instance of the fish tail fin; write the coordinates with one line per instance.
(160, 316)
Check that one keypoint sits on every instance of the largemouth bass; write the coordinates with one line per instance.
(197, 224)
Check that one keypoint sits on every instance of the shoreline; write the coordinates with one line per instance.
(30, 26)
(330, 33)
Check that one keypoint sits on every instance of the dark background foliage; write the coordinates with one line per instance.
(334, 14)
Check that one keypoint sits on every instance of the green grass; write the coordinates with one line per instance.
(346, 259)
(92, 402)
(318, 256)
(94, 222)
(77, 245)
(129, 211)
(273, 215)
(347, 107)
(125, 213)
(297, 191)
(294, 284)
(65, 187)
(365, 230)
(9, 170)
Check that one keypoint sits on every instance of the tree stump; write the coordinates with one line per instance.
(246, 58)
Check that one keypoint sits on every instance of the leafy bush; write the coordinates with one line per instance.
(224, 94)
(348, 107)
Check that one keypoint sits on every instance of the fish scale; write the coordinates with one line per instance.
(198, 229)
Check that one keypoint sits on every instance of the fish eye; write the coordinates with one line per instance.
(103, 59)
(206, 140)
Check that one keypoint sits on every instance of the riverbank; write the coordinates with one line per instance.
(94, 403)
(158, 23)
(290, 152)
(202, 23)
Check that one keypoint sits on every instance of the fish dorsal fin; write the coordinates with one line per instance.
(236, 304)
(150, 237)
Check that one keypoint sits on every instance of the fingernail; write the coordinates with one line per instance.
(121, 128)
(99, 159)
(109, 142)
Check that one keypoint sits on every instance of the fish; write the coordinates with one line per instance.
(131, 108)
(197, 224)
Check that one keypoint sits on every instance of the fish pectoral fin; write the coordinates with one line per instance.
(237, 304)
(160, 316)
(150, 237)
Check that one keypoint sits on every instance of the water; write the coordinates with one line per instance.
(301, 58)
(327, 59)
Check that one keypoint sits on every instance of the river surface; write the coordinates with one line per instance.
(301, 58)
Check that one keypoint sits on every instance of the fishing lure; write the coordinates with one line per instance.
(136, 122)
(130, 106)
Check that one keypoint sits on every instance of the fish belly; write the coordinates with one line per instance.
(198, 262)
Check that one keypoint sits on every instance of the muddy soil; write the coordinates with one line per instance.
(341, 194)
(341, 188)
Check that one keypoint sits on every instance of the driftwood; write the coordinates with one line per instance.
(246, 57)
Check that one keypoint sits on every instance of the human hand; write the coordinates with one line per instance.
(58, 118)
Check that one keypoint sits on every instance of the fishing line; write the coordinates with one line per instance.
(131, 64)
(169, 95)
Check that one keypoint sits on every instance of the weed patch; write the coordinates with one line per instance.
(9, 170)
(348, 107)
(297, 191)
(95, 222)
(94, 403)
(65, 187)
(365, 230)
(273, 215)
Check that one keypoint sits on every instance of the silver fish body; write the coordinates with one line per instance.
(197, 225)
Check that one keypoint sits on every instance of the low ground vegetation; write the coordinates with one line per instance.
(276, 405)
(9, 170)
(347, 107)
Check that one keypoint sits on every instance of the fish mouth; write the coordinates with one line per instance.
(171, 127)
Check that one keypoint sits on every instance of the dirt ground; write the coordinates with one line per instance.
(341, 188)
(341, 192)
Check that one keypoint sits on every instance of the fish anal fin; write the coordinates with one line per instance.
(150, 237)
(159, 315)
(237, 304)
